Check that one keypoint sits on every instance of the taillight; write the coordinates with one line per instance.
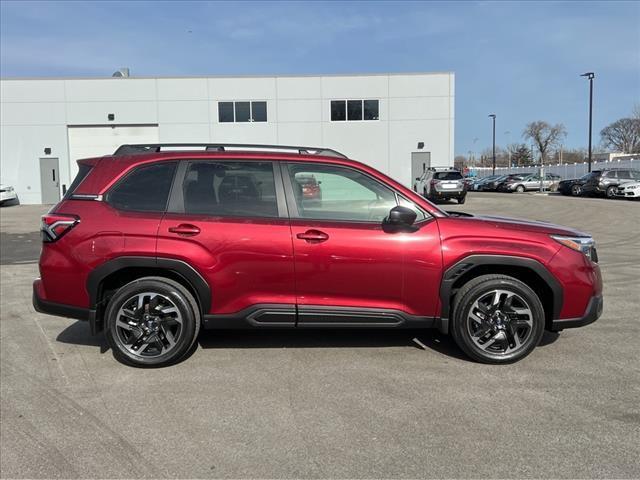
(55, 225)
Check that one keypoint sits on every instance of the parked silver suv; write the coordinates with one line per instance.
(530, 182)
(441, 183)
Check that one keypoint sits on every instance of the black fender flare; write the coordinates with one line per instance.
(471, 262)
(186, 271)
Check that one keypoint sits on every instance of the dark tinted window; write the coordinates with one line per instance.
(243, 111)
(145, 189)
(225, 111)
(259, 111)
(243, 189)
(447, 176)
(83, 171)
(338, 110)
(635, 174)
(354, 110)
(624, 174)
(371, 109)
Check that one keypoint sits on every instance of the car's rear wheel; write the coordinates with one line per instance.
(152, 322)
(611, 191)
(497, 319)
(576, 190)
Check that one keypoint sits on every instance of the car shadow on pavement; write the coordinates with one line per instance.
(331, 338)
(78, 333)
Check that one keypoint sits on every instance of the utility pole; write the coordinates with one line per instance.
(493, 116)
(590, 76)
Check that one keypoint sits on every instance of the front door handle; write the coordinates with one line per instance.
(185, 229)
(313, 236)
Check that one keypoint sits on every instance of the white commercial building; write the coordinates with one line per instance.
(395, 122)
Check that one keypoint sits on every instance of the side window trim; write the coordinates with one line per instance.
(292, 205)
(176, 200)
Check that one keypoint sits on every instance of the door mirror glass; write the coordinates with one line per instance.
(401, 216)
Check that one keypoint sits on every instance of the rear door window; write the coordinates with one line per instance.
(624, 174)
(145, 189)
(229, 188)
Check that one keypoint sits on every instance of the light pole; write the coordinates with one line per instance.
(508, 134)
(493, 117)
(590, 76)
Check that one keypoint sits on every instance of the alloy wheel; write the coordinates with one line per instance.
(500, 322)
(149, 324)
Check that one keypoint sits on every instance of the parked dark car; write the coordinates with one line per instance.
(573, 186)
(605, 182)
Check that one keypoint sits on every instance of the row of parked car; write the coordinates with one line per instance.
(612, 183)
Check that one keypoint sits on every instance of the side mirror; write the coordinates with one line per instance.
(401, 217)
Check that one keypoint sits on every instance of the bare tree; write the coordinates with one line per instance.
(622, 135)
(544, 136)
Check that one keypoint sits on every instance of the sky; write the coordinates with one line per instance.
(521, 61)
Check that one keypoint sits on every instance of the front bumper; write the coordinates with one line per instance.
(8, 195)
(591, 314)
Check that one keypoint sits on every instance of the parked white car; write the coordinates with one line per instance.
(629, 190)
(7, 193)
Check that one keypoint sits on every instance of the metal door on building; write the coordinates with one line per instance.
(49, 180)
(420, 161)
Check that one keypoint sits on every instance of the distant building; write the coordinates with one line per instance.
(398, 123)
(610, 157)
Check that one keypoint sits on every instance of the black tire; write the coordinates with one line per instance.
(576, 190)
(462, 199)
(520, 189)
(186, 307)
(611, 191)
(473, 291)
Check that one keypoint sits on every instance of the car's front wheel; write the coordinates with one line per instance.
(497, 319)
(152, 322)
(611, 191)
(462, 199)
(520, 189)
(576, 190)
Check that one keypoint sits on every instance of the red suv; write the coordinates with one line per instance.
(156, 241)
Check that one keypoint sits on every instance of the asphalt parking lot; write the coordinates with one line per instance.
(359, 404)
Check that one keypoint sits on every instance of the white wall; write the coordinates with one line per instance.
(413, 108)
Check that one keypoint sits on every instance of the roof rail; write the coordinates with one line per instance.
(219, 147)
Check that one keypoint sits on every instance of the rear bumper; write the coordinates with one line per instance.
(591, 314)
(51, 308)
(447, 193)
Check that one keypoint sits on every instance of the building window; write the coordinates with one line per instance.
(354, 110)
(225, 112)
(338, 110)
(229, 112)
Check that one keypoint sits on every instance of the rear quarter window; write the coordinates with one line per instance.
(145, 189)
(83, 171)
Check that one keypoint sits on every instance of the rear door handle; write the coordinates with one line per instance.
(313, 236)
(185, 229)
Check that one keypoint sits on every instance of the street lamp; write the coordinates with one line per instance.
(493, 116)
(508, 134)
(590, 76)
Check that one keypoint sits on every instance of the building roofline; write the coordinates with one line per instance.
(206, 77)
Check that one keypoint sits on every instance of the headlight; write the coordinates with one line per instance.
(586, 245)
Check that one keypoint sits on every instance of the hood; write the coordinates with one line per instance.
(508, 223)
